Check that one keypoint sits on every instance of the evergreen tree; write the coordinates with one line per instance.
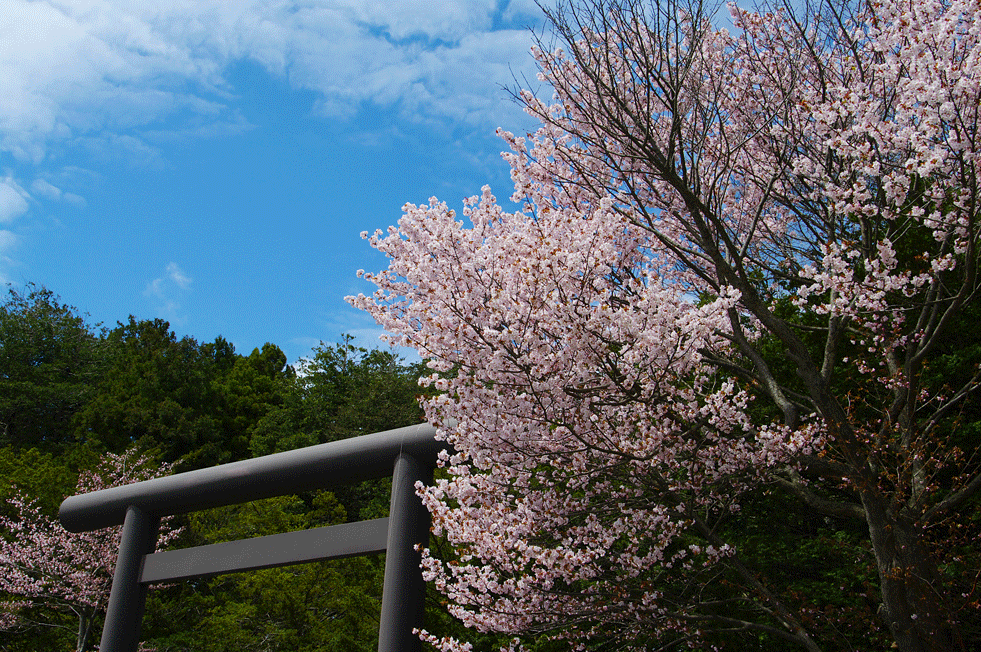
(50, 361)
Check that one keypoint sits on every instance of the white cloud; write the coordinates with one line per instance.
(165, 293)
(439, 67)
(8, 240)
(177, 275)
(46, 189)
(75, 200)
(95, 71)
(122, 147)
(526, 12)
(13, 200)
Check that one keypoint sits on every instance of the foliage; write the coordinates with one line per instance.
(195, 403)
(254, 386)
(50, 359)
(737, 266)
(341, 391)
(45, 477)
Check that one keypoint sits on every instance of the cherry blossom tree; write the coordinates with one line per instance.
(46, 568)
(738, 259)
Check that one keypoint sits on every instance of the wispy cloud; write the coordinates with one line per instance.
(44, 189)
(8, 242)
(177, 275)
(108, 70)
(12, 205)
(166, 291)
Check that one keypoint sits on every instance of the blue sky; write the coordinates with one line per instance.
(213, 162)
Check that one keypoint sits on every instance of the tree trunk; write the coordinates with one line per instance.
(912, 592)
(84, 628)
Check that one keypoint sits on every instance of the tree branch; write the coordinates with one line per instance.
(798, 487)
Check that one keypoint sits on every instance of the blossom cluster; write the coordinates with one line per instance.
(577, 386)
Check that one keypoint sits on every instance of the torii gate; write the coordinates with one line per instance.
(409, 454)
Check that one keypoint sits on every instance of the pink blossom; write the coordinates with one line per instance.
(47, 566)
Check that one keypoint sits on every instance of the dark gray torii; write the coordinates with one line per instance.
(408, 454)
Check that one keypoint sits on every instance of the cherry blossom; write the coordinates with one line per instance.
(598, 352)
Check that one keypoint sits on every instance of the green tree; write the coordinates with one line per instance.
(50, 360)
(193, 402)
(342, 391)
(42, 475)
(253, 386)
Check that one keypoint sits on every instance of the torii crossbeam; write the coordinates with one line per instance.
(408, 454)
